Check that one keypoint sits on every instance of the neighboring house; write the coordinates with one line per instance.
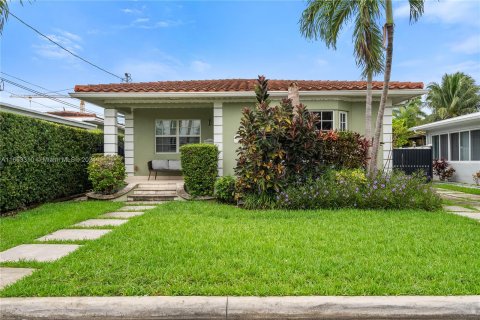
(162, 116)
(458, 141)
(91, 118)
(5, 107)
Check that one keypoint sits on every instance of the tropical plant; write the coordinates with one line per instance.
(416, 10)
(442, 169)
(405, 117)
(325, 19)
(456, 95)
(4, 12)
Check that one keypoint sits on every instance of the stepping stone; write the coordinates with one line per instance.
(9, 276)
(457, 209)
(100, 223)
(122, 215)
(136, 208)
(75, 234)
(37, 252)
(471, 215)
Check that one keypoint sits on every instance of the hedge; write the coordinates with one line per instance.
(199, 166)
(42, 161)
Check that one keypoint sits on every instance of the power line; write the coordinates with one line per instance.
(33, 84)
(127, 75)
(16, 95)
(44, 95)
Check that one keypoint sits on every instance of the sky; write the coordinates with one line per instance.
(188, 40)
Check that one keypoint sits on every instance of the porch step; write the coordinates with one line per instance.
(143, 203)
(150, 197)
(157, 187)
(155, 192)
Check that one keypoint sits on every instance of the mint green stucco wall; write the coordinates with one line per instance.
(144, 130)
(144, 124)
(232, 113)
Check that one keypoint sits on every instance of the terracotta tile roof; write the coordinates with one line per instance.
(238, 85)
(72, 114)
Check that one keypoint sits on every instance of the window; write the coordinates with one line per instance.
(325, 120)
(454, 146)
(475, 141)
(170, 135)
(436, 147)
(444, 146)
(465, 146)
(343, 121)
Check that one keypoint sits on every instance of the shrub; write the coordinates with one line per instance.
(280, 145)
(476, 178)
(393, 191)
(262, 201)
(442, 169)
(107, 173)
(199, 166)
(225, 189)
(356, 176)
(41, 161)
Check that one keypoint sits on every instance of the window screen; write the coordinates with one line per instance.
(475, 143)
(454, 146)
(444, 146)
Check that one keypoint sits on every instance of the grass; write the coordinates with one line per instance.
(198, 248)
(457, 188)
(29, 225)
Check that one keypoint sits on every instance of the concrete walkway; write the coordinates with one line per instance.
(47, 252)
(464, 204)
(278, 308)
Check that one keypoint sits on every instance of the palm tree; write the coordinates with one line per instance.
(405, 117)
(325, 19)
(456, 95)
(4, 13)
(416, 10)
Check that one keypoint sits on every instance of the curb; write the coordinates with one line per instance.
(315, 307)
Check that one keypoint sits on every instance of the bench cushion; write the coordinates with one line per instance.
(160, 164)
(174, 165)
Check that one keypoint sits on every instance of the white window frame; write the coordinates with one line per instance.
(177, 134)
(449, 132)
(333, 117)
(340, 122)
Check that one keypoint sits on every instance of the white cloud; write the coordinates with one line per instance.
(200, 66)
(67, 39)
(131, 11)
(145, 23)
(470, 45)
(446, 11)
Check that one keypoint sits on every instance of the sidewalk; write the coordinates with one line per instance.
(409, 307)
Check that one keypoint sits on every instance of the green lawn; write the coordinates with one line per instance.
(29, 225)
(457, 188)
(198, 248)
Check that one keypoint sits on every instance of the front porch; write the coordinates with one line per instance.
(156, 132)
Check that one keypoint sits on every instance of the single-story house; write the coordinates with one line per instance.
(6, 107)
(162, 116)
(456, 140)
(85, 117)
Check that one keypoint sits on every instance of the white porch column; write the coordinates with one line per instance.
(110, 132)
(387, 137)
(218, 133)
(129, 149)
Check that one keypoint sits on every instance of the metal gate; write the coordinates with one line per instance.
(410, 160)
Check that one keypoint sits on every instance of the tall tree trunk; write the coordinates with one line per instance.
(386, 81)
(368, 114)
(293, 94)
